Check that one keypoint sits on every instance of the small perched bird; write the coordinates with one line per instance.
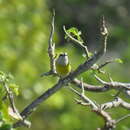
(63, 67)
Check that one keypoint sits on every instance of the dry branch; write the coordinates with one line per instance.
(116, 103)
(62, 82)
(109, 122)
(51, 50)
(89, 87)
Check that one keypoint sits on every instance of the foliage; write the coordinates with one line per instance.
(5, 117)
(75, 33)
(24, 33)
(118, 60)
(23, 41)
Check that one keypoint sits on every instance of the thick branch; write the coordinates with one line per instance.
(31, 107)
(89, 87)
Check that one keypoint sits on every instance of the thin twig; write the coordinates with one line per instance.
(81, 102)
(82, 86)
(104, 64)
(122, 118)
(84, 98)
(79, 43)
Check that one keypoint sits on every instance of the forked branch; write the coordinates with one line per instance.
(64, 81)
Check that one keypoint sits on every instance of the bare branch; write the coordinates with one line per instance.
(122, 118)
(114, 85)
(81, 102)
(82, 86)
(104, 64)
(104, 33)
(89, 87)
(116, 103)
(100, 80)
(109, 122)
(84, 98)
(51, 50)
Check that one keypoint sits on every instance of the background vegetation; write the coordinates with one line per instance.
(24, 33)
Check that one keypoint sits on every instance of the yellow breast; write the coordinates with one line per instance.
(63, 70)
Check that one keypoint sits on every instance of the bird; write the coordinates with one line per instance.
(63, 67)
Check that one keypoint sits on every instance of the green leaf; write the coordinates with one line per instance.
(118, 60)
(1, 116)
(14, 88)
(2, 93)
(6, 127)
(5, 113)
(90, 54)
(2, 76)
(74, 32)
(5, 77)
(9, 77)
